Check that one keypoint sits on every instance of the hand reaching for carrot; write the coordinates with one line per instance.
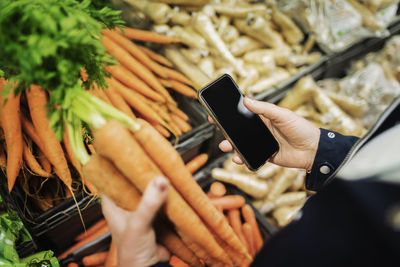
(298, 138)
(132, 232)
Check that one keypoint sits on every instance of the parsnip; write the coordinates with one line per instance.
(249, 184)
(285, 215)
(184, 2)
(286, 199)
(180, 18)
(308, 112)
(230, 34)
(268, 170)
(160, 13)
(304, 59)
(283, 182)
(265, 56)
(193, 54)
(190, 70)
(239, 10)
(189, 38)
(277, 76)
(309, 43)
(301, 92)
(207, 66)
(203, 25)
(224, 21)
(289, 29)
(251, 78)
(368, 18)
(259, 29)
(299, 181)
(244, 44)
(352, 106)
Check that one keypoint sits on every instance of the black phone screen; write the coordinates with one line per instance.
(246, 130)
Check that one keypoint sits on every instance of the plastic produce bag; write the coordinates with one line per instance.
(337, 24)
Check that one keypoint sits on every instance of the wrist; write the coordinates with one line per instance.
(313, 150)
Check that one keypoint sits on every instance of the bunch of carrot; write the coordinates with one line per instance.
(31, 150)
(138, 85)
(192, 229)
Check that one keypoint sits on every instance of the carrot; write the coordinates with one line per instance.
(118, 101)
(161, 130)
(11, 124)
(182, 89)
(3, 160)
(92, 237)
(146, 36)
(44, 162)
(248, 234)
(120, 73)
(134, 100)
(37, 101)
(194, 164)
(217, 189)
(177, 76)
(165, 83)
(197, 250)
(95, 259)
(175, 245)
(249, 217)
(32, 163)
(174, 128)
(229, 202)
(163, 114)
(99, 93)
(156, 57)
(73, 264)
(116, 143)
(178, 112)
(132, 64)
(236, 223)
(237, 259)
(136, 52)
(91, 149)
(172, 165)
(183, 125)
(95, 227)
(112, 258)
(177, 262)
(29, 129)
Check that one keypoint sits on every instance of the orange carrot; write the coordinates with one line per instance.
(44, 162)
(165, 83)
(163, 114)
(92, 237)
(182, 124)
(37, 101)
(3, 160)
(11, 124)
(177, 76)
(177, 262)
(146, 36)
(118, 101)
(135, 101)
(248, 234)
(236, 223)
(136, 52)
(178, 112)
(172, 165)
(197, 250)
(217, 189)
(112, 258)
(249, 217)
(120, 73)
(95, 259)
(237, 259)
(229, 202)
(197, 162)
(95, 227)
(182, 89)
(29, 129)
(156, 57)
(73, 264)
(161, 130)
(32, 163)
(132, 64)
(175, 245)
(99, 93)
(124, 149)
(175, 128)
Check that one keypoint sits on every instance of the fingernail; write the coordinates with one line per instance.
(161, 183)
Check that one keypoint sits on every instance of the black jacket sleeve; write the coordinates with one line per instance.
(332, 150)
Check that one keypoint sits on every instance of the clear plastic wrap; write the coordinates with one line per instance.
(338, 24)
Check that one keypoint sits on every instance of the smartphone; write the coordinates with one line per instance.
(247, 133)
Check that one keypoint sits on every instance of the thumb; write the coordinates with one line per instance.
(268, 110)
(153, 198)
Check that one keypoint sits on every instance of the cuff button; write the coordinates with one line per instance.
(331, 135)
(324, 169)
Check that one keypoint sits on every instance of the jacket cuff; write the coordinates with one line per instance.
(332, 150)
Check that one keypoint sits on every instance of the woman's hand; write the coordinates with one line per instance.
(298, 138)
(133, 232)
